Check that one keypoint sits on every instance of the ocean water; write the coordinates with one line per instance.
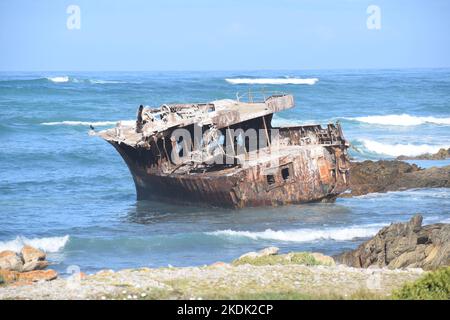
(72, 195)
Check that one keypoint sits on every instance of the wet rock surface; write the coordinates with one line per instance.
(403, 245)
(392, 175)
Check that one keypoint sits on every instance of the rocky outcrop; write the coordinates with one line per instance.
(392, 175)
(9, 260)
(442, 154)
(37, 275)
(34, 259)
(403, 245)
(269, 251)
(7, 276)
(25, 266)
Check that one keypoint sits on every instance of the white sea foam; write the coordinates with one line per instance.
(309, 81)
(401, 120)
(398, 149)
(278, 121)
(51, 244)
(58, 79)
(61, 79)
(305, 235)
(87, 123)
(94, 81)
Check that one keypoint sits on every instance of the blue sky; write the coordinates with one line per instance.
(223, 35)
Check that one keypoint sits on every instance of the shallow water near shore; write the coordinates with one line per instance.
(72, 195)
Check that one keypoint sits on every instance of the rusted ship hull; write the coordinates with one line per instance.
(315, 173)
(237, 159)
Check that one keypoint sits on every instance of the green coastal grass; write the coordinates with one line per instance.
(433, 286)
(295, 295)
(303, 258)
(187, 289)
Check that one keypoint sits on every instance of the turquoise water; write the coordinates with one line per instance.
(71, 194)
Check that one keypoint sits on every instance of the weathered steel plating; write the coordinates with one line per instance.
(289, 165)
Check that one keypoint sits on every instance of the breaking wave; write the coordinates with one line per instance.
(63, 79)
(87, 123)
(305, 235)
(58, 79)
(398, 149)
(401, 120)
(309, 81)
(93, 81)
(278, 121)
(51, 244)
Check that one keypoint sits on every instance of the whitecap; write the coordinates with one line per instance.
(278, 121)
(305, 235)
(399, 149)
(94, 81)
(50, 244)
(308, 81)
(401, 120)
(58, 79)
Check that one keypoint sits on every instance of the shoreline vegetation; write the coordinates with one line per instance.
(402, 261)
(267, 274)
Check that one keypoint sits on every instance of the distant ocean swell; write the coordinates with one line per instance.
(87, 123)
(307, 81)
(49, 245)
(398, 149)
(273, 81)
(63, 79)
(391, 120)
(400, 120)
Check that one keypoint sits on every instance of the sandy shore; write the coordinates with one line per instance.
(222, 281)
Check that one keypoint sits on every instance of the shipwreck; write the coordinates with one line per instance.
(226, 153)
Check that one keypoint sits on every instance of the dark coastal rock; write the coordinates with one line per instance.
(392, 175)
(402, 245)
(442, 154)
